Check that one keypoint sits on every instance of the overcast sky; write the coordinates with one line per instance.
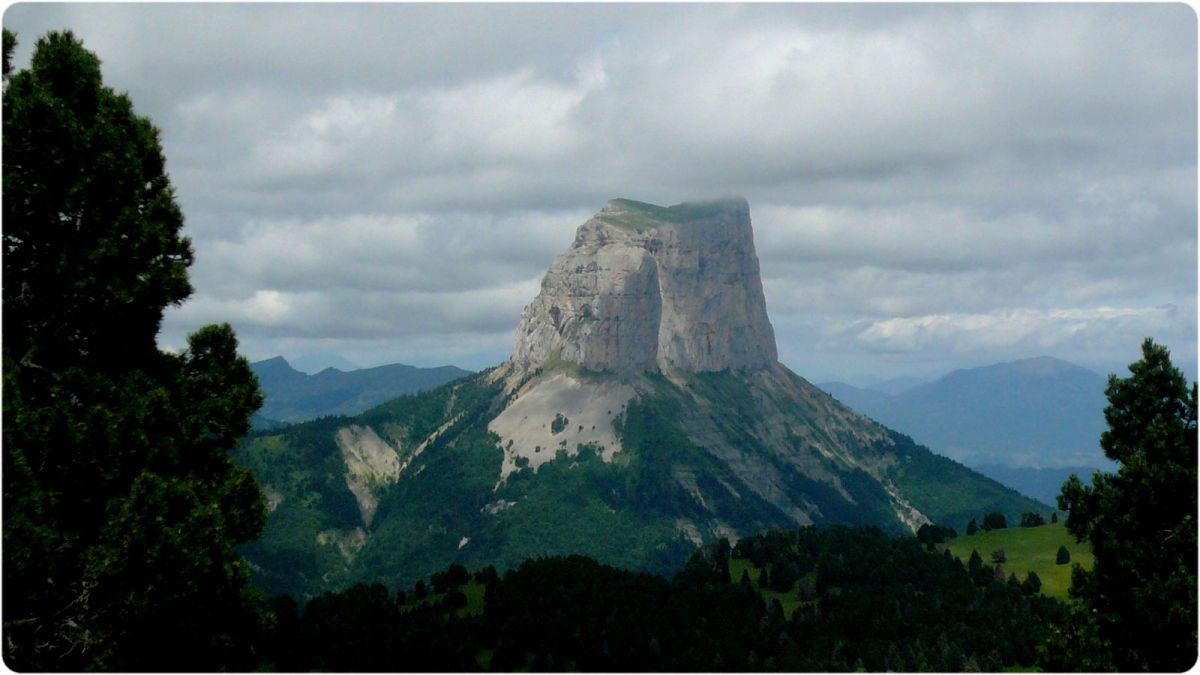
(931, 186)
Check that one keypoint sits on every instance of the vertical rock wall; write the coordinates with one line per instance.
(645, 287)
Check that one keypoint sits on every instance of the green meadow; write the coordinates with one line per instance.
(789, 599)
(1028, 549)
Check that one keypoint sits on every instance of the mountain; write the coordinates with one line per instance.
(1040, 412)
(1028, 423)
(643, 411)
(893, 385)
(862, 400)
(1042, 483)
(293, 396)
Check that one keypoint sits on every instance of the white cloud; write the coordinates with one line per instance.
(1029, 329)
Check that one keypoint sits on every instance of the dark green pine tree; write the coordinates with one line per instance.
(1139, 599)
(744, 582)
(1032, 583)
(122, 509)
(975, 562)
(764, 579)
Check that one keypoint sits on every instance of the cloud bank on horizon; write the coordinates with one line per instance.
(932, 186)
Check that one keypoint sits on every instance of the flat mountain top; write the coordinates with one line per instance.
(645, 288)
(641, 216)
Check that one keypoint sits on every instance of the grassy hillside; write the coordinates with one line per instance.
(642, 511)
(1029, 549)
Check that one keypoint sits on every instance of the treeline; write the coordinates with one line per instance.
(839, 599)
(996, 521)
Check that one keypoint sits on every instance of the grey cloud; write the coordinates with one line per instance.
(454, 251)
(361, 177)
(352, 314)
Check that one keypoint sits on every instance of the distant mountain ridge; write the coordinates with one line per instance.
(1024, 422)
(292, 396)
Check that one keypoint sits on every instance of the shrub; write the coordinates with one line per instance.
(1063, 557)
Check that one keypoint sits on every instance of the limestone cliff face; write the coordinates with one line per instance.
(646, 287)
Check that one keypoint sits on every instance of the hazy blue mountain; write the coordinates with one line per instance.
(857, 398)
(292, 396)
(1043, 484)
(894, 385)
(1041, 412)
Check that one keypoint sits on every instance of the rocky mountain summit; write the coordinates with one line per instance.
(645, 287)
(643, 412)
(676, 292)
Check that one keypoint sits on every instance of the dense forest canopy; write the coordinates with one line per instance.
(851, 598)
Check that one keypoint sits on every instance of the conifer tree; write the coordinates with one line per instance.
(122, 508)
(1032, 583)
(1139, 599)
(744, 582)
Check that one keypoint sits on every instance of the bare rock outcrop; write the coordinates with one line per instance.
(646, 288)
(370, 463)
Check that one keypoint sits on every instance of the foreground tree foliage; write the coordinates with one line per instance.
(1138, 603)
(121, 506)
(858, 600)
